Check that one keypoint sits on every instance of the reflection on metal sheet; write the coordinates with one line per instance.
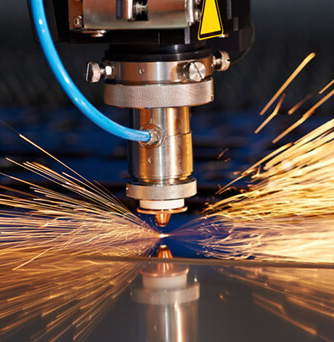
(235, 303)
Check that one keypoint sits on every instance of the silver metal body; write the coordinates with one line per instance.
(101, 15)
(172, 159)
(162, 172)
(160, 94)
(157, 92)
(159, 84)
(159, 71)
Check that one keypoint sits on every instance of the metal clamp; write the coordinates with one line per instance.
(160, 72)
(159, 95)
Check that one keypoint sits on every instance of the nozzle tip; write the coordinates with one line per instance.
(162, 218)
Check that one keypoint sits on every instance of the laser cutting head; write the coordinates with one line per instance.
(159, 89)
(162, 169)
(160, 62)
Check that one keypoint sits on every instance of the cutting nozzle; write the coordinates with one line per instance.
(162, 218)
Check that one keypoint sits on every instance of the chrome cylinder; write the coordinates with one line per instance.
(172, 160)
(161, 172)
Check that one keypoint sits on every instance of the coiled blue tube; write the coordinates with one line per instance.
(68, 85)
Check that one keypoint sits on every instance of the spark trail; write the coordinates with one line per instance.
(46, 238)
(286, 212)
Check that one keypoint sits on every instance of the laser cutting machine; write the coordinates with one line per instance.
(160, 62)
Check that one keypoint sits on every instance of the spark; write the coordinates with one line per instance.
(44, 235)
(60, 290)
(272, 115)
(326, 87)
(222, 154)
(304, 117)
(299, 104)
(287, 212)
(288, 81)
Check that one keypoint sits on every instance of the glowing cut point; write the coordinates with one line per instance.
(162, 236)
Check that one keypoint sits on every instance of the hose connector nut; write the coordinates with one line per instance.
(157, 136)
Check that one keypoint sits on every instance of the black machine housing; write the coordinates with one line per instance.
(157, 44)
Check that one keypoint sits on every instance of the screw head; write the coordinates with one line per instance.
(197, 14)
(108, 71)
(195, 71)
(93, 72)
(78, 21)
(221, 61)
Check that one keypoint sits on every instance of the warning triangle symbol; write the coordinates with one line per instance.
(211, 23)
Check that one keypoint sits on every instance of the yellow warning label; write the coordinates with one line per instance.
(211, 23)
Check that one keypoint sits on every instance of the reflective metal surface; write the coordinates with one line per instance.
(75, 9)
(243, 304)
(173, 159)
(159, 95)
(157, 72)
(235, 303)
(108, 15)
(161, 173)
(162, 191)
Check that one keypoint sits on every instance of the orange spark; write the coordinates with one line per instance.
(287, 211)
(299, 104)
(272, 115)
(43, 237)
(304, 117)
(288, 81)
(326, 87)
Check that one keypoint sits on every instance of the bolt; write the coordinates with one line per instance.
(77, 21)
(94, 72)
(195, 71)
(139, 9)
(108, 71)
(197, 15)
(141, 71)
(221, 61)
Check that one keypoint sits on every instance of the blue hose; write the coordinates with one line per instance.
(70, 88)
